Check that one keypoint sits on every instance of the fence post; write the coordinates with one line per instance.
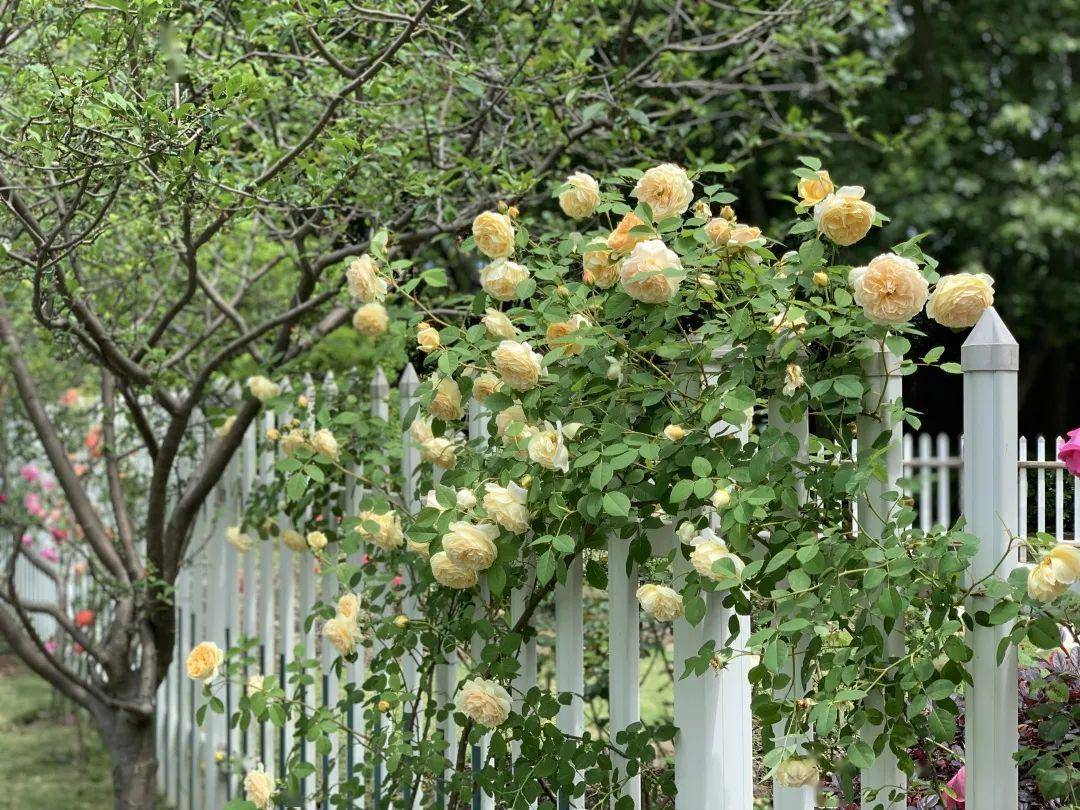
(877, 507)
(624, 652)
(991, 359)
(570, 662)
(785, 798)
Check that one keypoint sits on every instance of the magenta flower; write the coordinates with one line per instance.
(50, 646)
(50, 554)
(27, 540)
(958, 785)
(30, 473)
(1069, 452)
(33, 504)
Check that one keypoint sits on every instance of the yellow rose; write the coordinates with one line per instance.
(258, 683)
(494, 235)
(204, 661)
(721, 498)
(418, 548)
(449, 574)
(259, 789)
(484, 702)
(387, 535)
(364, 280)
(1054, 574)
(293, 441)
(709, 549)
(349, 606)
(821, 279)
(498, 324)
(471, 546)
(316, 541)
(294, 541)
(517, 364)
(420, 430)
(674, 433)
(440, 451)
(958, 300)
(239, 540)
(343, 633)
(813, 190)
(719, 230)
(371, 320)
(506, 506)
(667, 190)
(446, 404)
(660, 602)
(641, 273)
(546, 448)
(793, 378)
(263, 389)
(225, 427)
(383, 706)
(464, 499)
(844, 216)
(485, 385)
(890, 289)
(621, 240)
(323, 441)
(798, 772)
(427, 338)
(581, 199)
(401, 622)
(500, 279)
(557, 332)
(598, 269)
(702, 210)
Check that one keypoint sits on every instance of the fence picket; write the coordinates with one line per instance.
(624, 653)
(570, 660)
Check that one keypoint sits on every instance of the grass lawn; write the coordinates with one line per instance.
(44, 765)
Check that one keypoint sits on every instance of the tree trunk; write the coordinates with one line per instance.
(130, 741)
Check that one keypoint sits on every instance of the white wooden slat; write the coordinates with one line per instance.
(1022, 490)
(883, 784)
(570, 659)
(267, 589)
(926, 499)
(624, 653)
(479, 752)
(1059, 496)
(990, 360)
(944, 481)
(909, 455)
(1040, 484)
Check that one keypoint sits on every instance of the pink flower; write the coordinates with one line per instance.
(47, 484)
(397, 581)
(50, 554)
(59, 535)
(30, 473)
(958, 785)
(33, 504)
(50, 646)
(27, 540)
(1069, 452)
(3, 497)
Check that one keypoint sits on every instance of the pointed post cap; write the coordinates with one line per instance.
(380, 386)
(990, 346)
(409, 382)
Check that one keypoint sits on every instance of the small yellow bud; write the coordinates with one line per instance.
(728, 213)
(821, 279)
(272, 434)
(563, 290)
(302, 401)
(219, 756)
(512, 212)
(674, 432)
(401, 622)
(525, 481)
(384, 706)
(502, 206)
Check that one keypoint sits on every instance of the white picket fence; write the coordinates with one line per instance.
(266, 593)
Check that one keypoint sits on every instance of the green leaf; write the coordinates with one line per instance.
(861, 755)
(296, 487)
(616, 504)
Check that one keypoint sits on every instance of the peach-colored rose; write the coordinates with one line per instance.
(518, 365)
(203, 661)
(958, 300)
(494, 234)
(844, 216)
(500, 279)
(371, 320)
(814, 190)
(484, 702)
(890, 289)
(364, 280)
(598, 269)
(621, 240)
(642, 276)
(446, 404)
(449, 574)
(581, 198)
(666, 189)
(498, 324)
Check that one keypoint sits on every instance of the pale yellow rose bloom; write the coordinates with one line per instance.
(958, 300)
(420, 430)
(449, 574)
(225, 427)
(364, 280)
(498, 324)
(203, 661)
(494, 234)
(798, 772)
(293, 441)
(518, 365)
(721, 498)
(323, 441)
(814, 190)
(427, 338)
(506, 506)
(485, 385)
(890, 289)
(371, 320)
(349, 606)
(793, 378)
(316, 541)
(621, 240)
(791, 320)
(388, 535)
(821, 279)
(263, 389)
(484, 702)
(719, 231)
(702, 210)
(666, 189)
(641, 273)
(420, 549)
(844, 216)
(293, 540)
(1055, 573)
(598, 269)
(471, 545)
(440, 451)
(258, 683)
(239, 540)
(581, 199)
(546, 448)
(259, 789)
(709, 549)
(500, 279)
(344, 633)
(446, 404)
(660, 602)
(674, 433)
(557, 332)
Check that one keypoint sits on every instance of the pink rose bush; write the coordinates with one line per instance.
(1069, 452)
